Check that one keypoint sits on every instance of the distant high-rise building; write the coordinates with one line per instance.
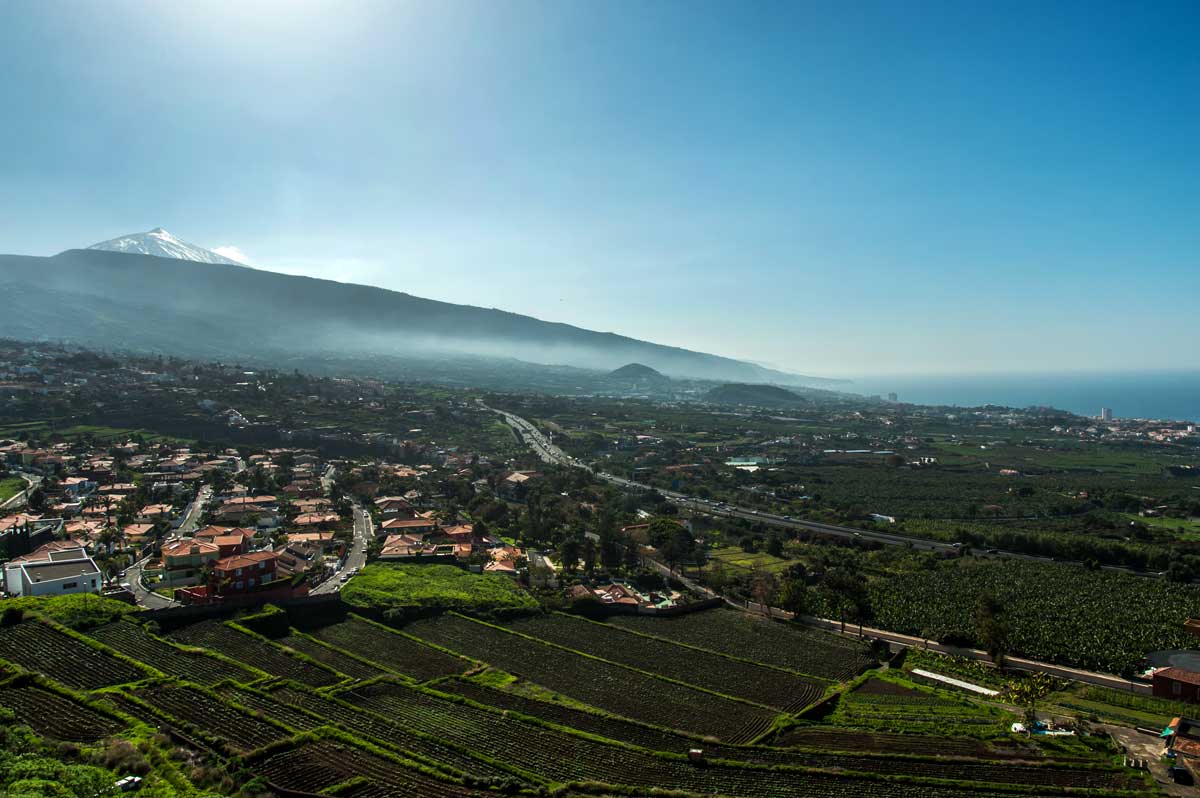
(1106, 414)
(892, 396)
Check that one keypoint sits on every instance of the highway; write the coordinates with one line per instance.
(552, 454)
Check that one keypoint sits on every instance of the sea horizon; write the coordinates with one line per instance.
(1166, 395)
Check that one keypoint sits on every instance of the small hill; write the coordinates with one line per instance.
(737, 393)
(638, 373)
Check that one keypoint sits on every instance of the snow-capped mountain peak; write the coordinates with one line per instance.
(162, 244)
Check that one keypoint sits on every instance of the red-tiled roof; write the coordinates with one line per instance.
(1178, 675)
(245, 560)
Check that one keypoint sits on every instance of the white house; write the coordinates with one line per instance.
(54, 573)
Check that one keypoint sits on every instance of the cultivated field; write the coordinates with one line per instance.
(455, 706)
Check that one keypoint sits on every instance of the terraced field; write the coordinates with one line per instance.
(241, 731)
(56, 716)
(738, 678)
(390, 650)
(566, 706)
(877, 704)
(252, 652)
(43, 649)
(313, 767)
(759, 639)
(134, 641)
(384, 729)
(600, 683)
(342, 663)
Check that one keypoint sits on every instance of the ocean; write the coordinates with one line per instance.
(1163, 395)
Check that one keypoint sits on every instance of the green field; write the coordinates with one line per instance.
(735, 558)
(9, 487)
(389, 586)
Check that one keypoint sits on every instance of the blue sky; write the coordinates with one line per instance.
(830, 188)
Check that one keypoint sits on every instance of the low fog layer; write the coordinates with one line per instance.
(217, 310)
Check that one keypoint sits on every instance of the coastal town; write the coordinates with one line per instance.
(239, 488)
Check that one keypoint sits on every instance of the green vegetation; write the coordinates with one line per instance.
(77, 611)
(344, 713)
(1097, 620)
(404, 587)
(895, 704)
(9, 487)
(1115, 706)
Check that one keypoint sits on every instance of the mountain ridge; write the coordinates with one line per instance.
(226, 307)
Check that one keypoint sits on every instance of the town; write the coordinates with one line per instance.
(256, 515)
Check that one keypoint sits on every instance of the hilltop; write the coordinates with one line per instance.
(638, 373)
(759, 395)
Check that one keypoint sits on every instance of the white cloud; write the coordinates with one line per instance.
(233, 253)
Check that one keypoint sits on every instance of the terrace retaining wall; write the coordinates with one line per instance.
(180, 616)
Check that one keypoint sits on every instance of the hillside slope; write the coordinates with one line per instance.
(113, 299)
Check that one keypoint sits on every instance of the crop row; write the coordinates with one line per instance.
(601, 684)
(877, 742)
(56, 716)
(883, 687)
(391, 650)
(319, 765)
(762, 640)
(386, 730)
(252, 651)
(339, 661)
(654, 739)
(270, 708)
(42, 649)
(608, 726)
(562, 757)
(784, 691)
(239, 730)
(134, 641)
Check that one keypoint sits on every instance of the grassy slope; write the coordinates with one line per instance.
(391, 586)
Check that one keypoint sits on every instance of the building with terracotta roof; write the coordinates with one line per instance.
(1182, 740)
(315, 519)
(184, 560)
(154, 512)
(137, 534)
(1177, 684)
(244, 572)
(409, 525)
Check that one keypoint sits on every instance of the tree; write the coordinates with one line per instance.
(794, 593)
(846, 592)
(569, 553)
(606, 531)
(992, 628)
(589, 556)
(631, 557)
(763, 587)
(679, 548)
